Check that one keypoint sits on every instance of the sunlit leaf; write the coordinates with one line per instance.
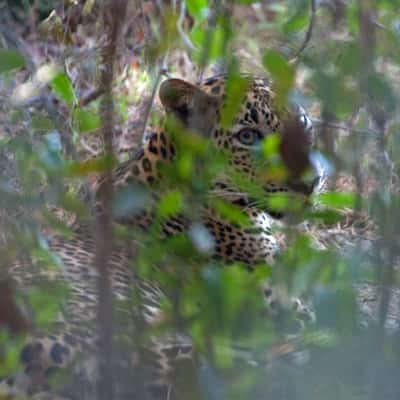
(213, 41)
(329, 217)
(62, 86)
(170, 204)
(337, 199)
(231, 212)
(282, 73)
(270, 146)
(197, 8)
(235, 92)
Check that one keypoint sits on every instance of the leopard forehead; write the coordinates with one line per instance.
(256, 110)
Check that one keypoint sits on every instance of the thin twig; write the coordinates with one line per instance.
(181, 19)
(309, 32)
(344, 127)
(162, 71)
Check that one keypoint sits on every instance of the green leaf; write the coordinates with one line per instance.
(170, 204)
(280, 201)
(297, 22)
(231, 212)
(214, 41)
(62, 86)
(282, 73)
(329, 217)
(236, 88)
(10, 59)
(270, 146)
(86, 121)
(197, 8)
(338, 199)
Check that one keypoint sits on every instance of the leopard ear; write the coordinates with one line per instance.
(196, 109)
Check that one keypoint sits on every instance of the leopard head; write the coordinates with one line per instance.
(201, 109)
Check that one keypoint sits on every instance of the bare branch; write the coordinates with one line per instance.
(345, 127)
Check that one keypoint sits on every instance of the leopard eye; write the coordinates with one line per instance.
(249, 137)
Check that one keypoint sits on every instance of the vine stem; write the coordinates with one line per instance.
(309, 32)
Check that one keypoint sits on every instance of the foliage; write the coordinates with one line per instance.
(346, 75)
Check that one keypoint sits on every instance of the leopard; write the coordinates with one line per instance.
(195, 110)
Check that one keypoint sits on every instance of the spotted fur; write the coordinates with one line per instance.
(198, 109)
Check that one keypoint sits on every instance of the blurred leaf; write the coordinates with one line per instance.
(169, 37)
(198, 8)
(170, 204)
(72, 203)
(297, 22)
(270, 146)
(185, 165)
(329, 217)
(83, 168)
(86, 120)
(40, 123)
(282, 73)
(46, 311)
(231, 212)
(10, 59)
(235, 92)
(280, 201)
(52, 28)
(11, 347)
(213, 41)
(88, 7)
(337, 199)
(380, 92)
(337, 94)
(62, 86)
(349, 58)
